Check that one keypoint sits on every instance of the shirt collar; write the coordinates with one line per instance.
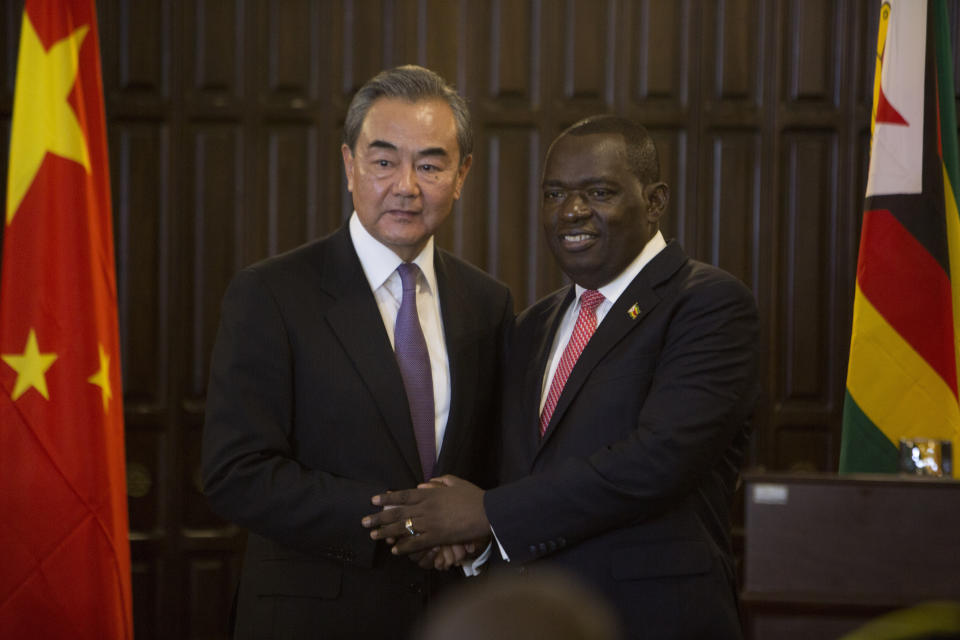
(379, 262)
(613, 289)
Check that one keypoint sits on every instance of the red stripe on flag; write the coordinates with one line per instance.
(910, 290)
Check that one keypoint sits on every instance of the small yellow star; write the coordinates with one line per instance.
(102, 378)
(30, 367)
(43, 120)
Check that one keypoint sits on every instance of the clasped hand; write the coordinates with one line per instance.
(446, 515)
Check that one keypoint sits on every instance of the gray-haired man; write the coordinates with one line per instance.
(365, 361)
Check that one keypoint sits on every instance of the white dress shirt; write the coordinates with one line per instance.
(611, 291)
(380, 267)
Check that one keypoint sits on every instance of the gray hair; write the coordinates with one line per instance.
(412, 83)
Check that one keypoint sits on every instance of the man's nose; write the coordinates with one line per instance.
(407, 183)
(575, 207)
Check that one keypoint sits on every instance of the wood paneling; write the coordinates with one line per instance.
(731, 195)
(813, 41)
(139, 153)
(656, 34)
(510, 68)
(809, 193)
(513, 229)
(733, 37)
(215, 210)
(143, 66)
(225, 120)
(215, 54)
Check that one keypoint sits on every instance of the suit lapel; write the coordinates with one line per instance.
(628, 312)
(356, 321)
(462, 357)
(538, 365)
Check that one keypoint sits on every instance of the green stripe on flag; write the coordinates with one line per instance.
(948, 115)
(865, 449)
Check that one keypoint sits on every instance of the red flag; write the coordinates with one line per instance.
(64, 542)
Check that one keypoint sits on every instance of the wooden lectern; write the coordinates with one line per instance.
(826, 553)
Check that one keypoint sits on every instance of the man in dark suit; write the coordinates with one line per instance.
(362, 362)
(625, 406)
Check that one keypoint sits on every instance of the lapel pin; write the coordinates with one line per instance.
(634, 311)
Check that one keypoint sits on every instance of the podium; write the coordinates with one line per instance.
(826, 553)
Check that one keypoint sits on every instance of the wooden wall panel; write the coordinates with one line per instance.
(146, 458)
(733, 39)
(813, 35)
(150, 601)
(367, 38)
(145, 31)
(805, 342)
(434, 38)
(215, 52)
(731, 188)
(657, 32)
(196, 515)
(139, 156)
(510, 51)
(288, 163)
(806, 448)
(588, 51)
(216, 213)
(513, 176)
(290, 71)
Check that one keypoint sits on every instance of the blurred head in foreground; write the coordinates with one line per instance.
(512, 607)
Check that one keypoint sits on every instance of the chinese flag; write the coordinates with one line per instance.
(64, 543)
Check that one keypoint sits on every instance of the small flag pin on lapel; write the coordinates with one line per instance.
(634, 311)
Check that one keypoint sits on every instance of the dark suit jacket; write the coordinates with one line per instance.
(631, 486)
(307, 419)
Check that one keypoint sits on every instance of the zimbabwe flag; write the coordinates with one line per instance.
(64, 543)
(902, 373)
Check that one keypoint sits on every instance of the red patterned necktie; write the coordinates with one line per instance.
(586, 325)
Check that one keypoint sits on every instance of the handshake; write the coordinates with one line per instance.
(439, 524)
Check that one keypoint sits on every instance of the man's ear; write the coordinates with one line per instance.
(347, 165)
(658, 197)
(462, 171)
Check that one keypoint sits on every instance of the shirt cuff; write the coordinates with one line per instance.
(503, 552)
(475, 567)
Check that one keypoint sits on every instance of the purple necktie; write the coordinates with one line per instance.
(414, 361)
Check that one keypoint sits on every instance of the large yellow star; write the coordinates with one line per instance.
(30, 366)
(102, 378)
(43, 120)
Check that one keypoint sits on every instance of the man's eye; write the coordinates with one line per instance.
(600, 194)
(382, 163)
(553, 195)
(429, 168)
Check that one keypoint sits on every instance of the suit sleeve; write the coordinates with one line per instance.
(703, 391)
(250, 473)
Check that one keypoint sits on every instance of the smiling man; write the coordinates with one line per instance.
(625, 408)
(365, 361)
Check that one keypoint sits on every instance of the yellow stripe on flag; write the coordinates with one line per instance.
(953, 243)
(893, 385)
